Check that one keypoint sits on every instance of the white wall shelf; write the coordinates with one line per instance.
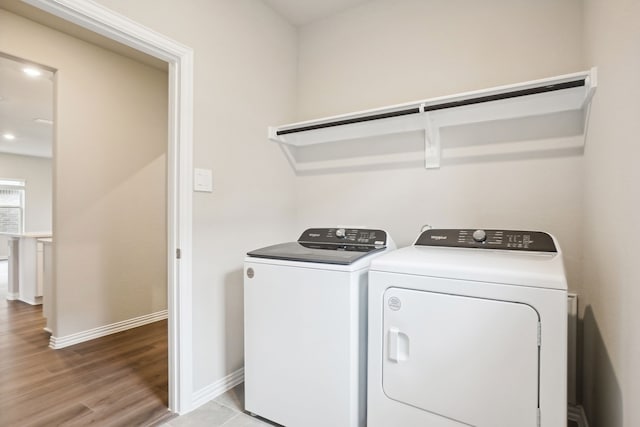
(539, 110)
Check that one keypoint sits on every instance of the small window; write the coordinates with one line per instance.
(11, 206)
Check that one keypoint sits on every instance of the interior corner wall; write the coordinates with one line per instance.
(386, 52)
(611, 291)
(109, 185)
(36, 172)
(245, 77)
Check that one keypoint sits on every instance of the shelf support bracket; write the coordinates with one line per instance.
(592, 83)
(432, 149)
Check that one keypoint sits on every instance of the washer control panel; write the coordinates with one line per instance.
(344, 236)
(513, 240)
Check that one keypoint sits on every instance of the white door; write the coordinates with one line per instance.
(468, 359)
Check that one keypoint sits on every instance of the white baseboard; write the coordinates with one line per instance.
(101, 331)
(576, 413)
(214, 390)
(12, 296)
(35, 301)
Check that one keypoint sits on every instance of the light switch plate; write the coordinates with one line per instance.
(203, 180)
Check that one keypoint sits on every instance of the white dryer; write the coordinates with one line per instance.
(469, 328)
(306, 327)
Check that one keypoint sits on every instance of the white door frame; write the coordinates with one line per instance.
(101, 20)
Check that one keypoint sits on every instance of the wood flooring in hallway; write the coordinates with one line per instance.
(117, 380)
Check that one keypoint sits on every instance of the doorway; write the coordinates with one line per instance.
(179, 180)
(145, 162)
(26, 135)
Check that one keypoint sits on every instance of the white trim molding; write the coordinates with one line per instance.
(219, 387)
(31, 301)
(57, 343)
(12, 296)
(101, 20)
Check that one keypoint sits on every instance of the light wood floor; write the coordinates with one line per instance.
(118, 380)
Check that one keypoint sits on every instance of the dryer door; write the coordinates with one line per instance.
(468, 359)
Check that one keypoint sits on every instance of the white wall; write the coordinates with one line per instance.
(109, 185)
(611, 292)
(36, 171)
(393, 51)
(244, 80)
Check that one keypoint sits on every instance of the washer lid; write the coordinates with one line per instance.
(342, 246)
(316, 252)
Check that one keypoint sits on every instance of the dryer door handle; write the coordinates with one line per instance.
(398, 345)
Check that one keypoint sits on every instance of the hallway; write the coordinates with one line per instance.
(119, 379)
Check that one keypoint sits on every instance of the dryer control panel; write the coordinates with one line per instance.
(513, 240)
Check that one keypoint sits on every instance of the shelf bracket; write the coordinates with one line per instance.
(432, 149)
(591, 82)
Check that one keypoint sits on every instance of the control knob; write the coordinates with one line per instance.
(479, 236)
(341, 233)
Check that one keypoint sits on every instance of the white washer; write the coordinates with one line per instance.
(306, 327)
(469, 328)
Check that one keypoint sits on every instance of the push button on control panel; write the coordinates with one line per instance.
(479, 236)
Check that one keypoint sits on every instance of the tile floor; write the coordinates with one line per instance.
(226, 410)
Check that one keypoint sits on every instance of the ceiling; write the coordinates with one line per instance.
(23, 99)
(302, 12)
